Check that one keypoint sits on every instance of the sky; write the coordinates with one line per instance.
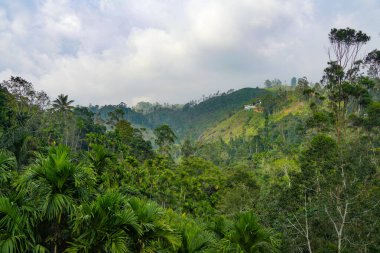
(112, 51)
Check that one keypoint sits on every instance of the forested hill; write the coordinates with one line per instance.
(277, 107)
(191, 119)
(300, 172)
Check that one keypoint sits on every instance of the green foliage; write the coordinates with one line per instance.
(7, 164)
(54, 183)
(62, 104)
(373, 60)
(299, 173)
(154, 227)
(16, 224)
(293, 82)
(187, 148)
(374, 115)
(322, 120)
(191, 119)
(196, 239)
(107, 223)
(347, 36)
(165, 138)
(247, 235)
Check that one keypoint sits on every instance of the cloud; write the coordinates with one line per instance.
(104, 51)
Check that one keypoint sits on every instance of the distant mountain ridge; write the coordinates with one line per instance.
(191, 119)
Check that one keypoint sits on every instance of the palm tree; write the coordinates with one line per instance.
(247, 235)
(99, 158)
(7, 164)
(12, 235)
(63, 106)
(55, 184)
(104, 225)
(18, 217)
(156, 232)
(195, 239)
(62, 103)
(17, 212)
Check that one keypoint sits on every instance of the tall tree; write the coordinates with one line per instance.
(115, 116)
(293, 81)
(62, 103)
(23, 107)
(165, 138)
(63, 106)
(187, 148)
(268, 83)
(342, 71)
(373, 61)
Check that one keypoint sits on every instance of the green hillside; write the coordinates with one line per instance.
(242, 123)
(189, 120)
(192, 120)
(247, 123)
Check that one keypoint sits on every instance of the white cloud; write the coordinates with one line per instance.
(168, 51)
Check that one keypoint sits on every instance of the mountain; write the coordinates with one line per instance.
(191, 119)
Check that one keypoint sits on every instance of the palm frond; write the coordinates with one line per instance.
(7, 164)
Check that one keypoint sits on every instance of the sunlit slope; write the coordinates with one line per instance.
(241, 123)
(248, 123)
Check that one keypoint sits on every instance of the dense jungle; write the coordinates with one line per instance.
(284, 168)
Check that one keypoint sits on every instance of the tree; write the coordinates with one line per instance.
(115, 116)
(268, 83)
(187, 148)
(248, 235)
(7, 117)
(154, 228)
(55, 183)
(23, 107)
(7, 164)
(17, 224)
(124, 130)
(25, 95)
(293, 82)
(345, 46)
(106, 224)
(18, 214)
(165, 137)
(62, 104)
(302, 83)
(373, 115)
(373, 61)
(325, 199)
(99, 158)
(342, 71)
(276, 82)
(195, 239)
